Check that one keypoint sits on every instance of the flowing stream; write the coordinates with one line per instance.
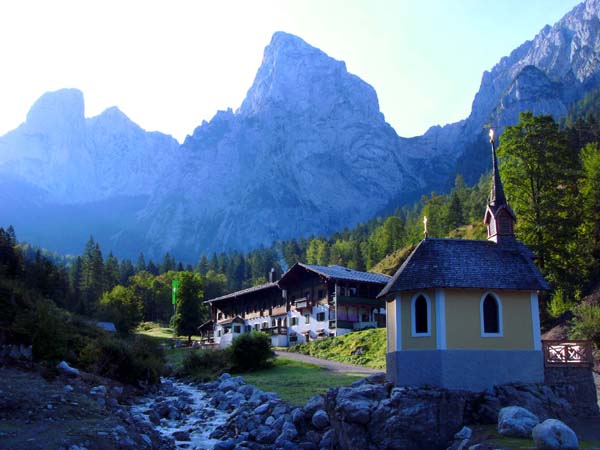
(185, 412)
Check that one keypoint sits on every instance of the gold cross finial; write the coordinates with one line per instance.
(425, 225)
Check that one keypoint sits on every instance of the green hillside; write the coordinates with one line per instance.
(364, 348)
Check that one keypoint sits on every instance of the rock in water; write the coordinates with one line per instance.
(514, 421)
(552, 434)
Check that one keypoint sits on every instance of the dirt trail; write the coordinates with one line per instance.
(334, 366)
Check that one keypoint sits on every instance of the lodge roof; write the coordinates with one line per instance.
(462, 263)
(339, 273)
(260, 287)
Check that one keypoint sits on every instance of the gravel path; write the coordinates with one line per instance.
(334, 366)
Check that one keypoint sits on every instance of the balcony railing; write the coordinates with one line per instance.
(568, 353)
(363, 325)
(276, 331)
(301, 303)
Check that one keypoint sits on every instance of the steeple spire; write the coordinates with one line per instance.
(499, 217)
(497, 197)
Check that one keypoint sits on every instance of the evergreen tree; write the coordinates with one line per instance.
(152, 268)
(126, 270)
(167, 264)
(454, 216)
(203, 265)
(12, 236)
(140, 265)
(112, 275)
(92, 277)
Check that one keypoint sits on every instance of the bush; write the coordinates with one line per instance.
(206, 364)
(251, 351)
(53, 333)
(586, 323)
(138, 361)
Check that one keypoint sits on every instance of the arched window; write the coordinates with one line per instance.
(421, 315)
(491, 316)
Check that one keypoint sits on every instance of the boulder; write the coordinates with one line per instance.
(464, 433)
(181, 435)
(514, 421)
(320, 419)
(64, 367)
(313, 404)
(552, 434)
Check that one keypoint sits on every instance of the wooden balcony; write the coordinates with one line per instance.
(363, 325)
(276, 331)
(302, 303)
(343, 300)
(568, 353)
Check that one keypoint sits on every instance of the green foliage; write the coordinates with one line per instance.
(364, 348)
(541, 174)
(559, 304)
(121, 307)
(138, 360)
(206, 364)
(251, 351)
(190, 312)
(586, 323)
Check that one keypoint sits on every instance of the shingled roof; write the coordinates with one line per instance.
(344, 273)
(260, 287)
(462, 263)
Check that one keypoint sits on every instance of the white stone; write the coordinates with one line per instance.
(552, 434)
(514, 421)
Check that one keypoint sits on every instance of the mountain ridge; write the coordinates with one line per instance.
(307, 151)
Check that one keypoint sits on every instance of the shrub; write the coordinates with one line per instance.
(139, 360)
(559, 304)
(251, 351)
(586, 323)
(206, 364)
(49, 330)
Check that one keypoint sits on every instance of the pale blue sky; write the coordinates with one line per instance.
(171, 64)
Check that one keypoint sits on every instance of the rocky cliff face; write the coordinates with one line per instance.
(78, 160)
(307, 152)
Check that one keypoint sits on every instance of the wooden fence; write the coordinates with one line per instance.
(568, 353)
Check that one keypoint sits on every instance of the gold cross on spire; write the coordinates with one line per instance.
(425, 225)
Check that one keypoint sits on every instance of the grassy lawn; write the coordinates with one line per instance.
(159, 331)
(364, 348)
(164, 334)
(296, 382)
(489, 435)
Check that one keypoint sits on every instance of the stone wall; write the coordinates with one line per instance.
(576, 385)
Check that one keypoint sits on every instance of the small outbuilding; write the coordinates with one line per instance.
(463, 314)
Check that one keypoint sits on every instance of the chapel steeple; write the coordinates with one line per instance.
(499, 217)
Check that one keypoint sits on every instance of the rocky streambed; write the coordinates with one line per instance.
(371, 414)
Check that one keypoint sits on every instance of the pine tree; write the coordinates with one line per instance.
(454, 217)
(92, 277)
(140, 265)
(112, 275)
(203, 265)
(167, 264)
(126, 270)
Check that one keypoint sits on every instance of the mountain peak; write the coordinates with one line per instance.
(57, 110)
(298, 78)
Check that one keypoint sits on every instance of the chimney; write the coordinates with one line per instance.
(271, 274)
